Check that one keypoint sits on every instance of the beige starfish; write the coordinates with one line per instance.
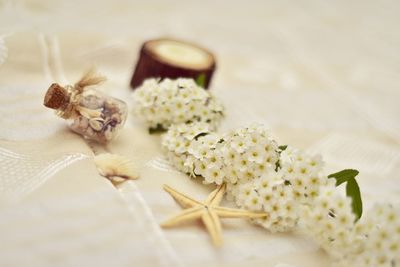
(208, 211)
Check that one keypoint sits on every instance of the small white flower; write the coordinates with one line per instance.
(198, 151)
(260, 169)
(253, 201)
(229, 156)
(255, 154)
(200, 168)
(210, 140)
(232, 175)
(214, 175)
(241, 163)
(239, 145)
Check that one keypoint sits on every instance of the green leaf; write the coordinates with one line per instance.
(352, 189)
(343, 176)
(282, 148)
(156, 130)
(201, 80)
(200, 135)
(278, 163)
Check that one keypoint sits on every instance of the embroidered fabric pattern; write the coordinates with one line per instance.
(22, 174)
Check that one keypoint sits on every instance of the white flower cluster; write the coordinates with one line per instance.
(380, 233)
(295, 180)
(239, 156)
(290, 186)
(270, 194)
(258, 174)
(169, 102)
(178, 141)
(374, 241)
(329, 220)
(304, 172)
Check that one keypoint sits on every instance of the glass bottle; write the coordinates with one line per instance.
(90, 113)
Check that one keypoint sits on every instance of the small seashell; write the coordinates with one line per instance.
(96, 124)
(113, 166)
(89, 113)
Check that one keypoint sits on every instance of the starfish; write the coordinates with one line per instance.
(208, 211)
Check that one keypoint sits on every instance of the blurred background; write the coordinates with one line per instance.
(335, 64)
(322, 75)
(307, 69)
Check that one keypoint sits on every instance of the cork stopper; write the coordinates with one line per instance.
(56, 97)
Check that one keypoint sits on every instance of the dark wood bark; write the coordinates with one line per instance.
(151, 65)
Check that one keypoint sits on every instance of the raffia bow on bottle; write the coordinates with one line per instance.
(66, 99)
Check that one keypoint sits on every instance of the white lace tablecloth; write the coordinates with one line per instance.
(323, 76)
